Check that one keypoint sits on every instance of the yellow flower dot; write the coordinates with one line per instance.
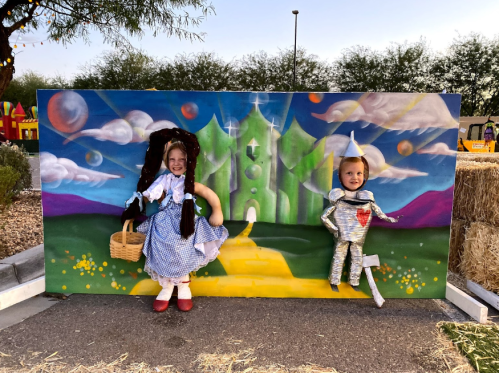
(206, 273)
(423, 284)
(74, 267)
(89, 255)
(438, 262)
(409, 276)
(104, 264)
(416, 285)
(122, 271)
(84, 256)
(88, 286)
(81, 273)
(63, 271)
(415, 275)
(53, 260)
(93, 268)
(409, 290)
(401, 287)
(64, 287)
(435, 279)
(124, 288)
(100, 269)
(139, 270)
(113, 284)
(397, 281)
(93, 263)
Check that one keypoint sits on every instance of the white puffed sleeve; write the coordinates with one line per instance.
(155, 191)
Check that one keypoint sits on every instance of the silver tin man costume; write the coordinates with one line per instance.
(348, 217)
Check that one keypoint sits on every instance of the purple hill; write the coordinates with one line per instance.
(68, 204)
(431, 209)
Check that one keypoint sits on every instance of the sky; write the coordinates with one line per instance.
(324, 28)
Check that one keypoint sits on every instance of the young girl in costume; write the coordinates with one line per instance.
(177, 241)
(349, 215)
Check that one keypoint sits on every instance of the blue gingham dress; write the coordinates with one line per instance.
(169, 256)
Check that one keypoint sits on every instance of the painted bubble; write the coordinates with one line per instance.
(189, 110)
(67, 111)
(94, 158)
(315, 97)
(253, 172)
(405, 148)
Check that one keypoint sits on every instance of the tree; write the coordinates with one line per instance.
(23, 89)
(399, 68)
(471, 68)
(261, 72)
(67, 20)
(120, 69)
(198, 72)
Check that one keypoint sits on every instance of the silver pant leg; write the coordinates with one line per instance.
(340, 252)
(356, 263)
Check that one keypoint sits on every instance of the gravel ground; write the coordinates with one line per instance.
(21, 226)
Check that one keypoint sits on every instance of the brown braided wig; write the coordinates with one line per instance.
(154, 156)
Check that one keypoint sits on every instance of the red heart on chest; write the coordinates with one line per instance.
(363, 216)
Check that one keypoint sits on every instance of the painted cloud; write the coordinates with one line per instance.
(439, 148)
(137, 126)
(54, 170)
(402, 112)
(377, 164)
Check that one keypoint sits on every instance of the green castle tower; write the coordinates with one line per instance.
(214, 162)
(256, 164)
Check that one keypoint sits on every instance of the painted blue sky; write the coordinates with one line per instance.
(230, 107)
(325, 28)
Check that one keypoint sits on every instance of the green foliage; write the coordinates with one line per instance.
(16, 159)
(400, 68)
(115, 20)
(471, 68)
(120, 69)
(479, 343)
(8, 180)
(23, 89)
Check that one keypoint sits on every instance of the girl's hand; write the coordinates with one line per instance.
(216, 218)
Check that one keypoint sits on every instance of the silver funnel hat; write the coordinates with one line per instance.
(353, 149)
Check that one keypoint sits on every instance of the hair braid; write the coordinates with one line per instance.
(154, 156)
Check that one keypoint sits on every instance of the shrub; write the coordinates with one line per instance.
(17, 159)
(8, 180)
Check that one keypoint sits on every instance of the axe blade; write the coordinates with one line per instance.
(370, 261)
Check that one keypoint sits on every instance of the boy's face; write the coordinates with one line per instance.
(352, 175)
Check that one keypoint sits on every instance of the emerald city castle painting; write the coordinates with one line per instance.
(272, 159)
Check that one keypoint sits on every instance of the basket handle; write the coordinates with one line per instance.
(129, 222)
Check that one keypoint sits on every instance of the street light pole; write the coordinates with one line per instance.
(295, 12)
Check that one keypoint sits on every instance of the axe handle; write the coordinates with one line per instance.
(374, 289)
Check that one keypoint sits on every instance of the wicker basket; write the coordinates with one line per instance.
(127, 245)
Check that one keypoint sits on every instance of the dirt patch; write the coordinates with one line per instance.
(22, 226)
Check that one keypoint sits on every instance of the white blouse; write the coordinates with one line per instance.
(165, 183)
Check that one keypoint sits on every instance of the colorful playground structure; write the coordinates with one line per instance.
(14, 124)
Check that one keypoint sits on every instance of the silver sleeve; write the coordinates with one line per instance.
(327, 222)
(381, 214)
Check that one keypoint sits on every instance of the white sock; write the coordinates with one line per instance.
(184, 292)
(166, 293)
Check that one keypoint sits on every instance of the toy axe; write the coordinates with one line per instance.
(367, 263)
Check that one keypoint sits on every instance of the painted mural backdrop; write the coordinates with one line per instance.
(272, 159)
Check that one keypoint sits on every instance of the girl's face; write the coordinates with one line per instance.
(352, 175)
(177, 162)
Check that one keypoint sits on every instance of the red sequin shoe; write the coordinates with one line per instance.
(184, 304)
(160, 305)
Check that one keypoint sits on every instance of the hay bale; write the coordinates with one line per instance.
(478, 157)
(480, 262)
(476, 192)
(456, 249)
